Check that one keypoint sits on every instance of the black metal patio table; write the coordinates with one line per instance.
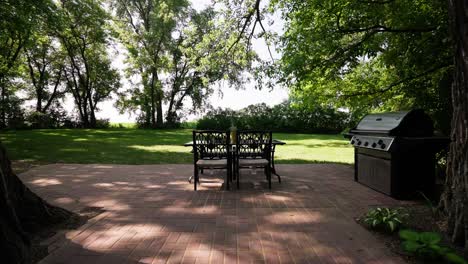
(274, 142)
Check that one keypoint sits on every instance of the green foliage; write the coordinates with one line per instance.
(177, 53)
(386, 219)
(84, 37)
(368, 55)
(427, 245)
(284, 117)
(18, 21)
(188, 125)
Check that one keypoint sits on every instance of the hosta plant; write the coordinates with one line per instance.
(427, 245)
(385, 219)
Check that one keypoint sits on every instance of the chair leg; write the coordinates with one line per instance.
(238, 178)
(269, 176)
(228, 176)
(237, 170)
(195, 180)
(279, 178)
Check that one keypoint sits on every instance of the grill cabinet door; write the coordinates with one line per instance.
(375, 173)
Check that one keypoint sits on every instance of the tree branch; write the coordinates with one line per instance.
(391, 86)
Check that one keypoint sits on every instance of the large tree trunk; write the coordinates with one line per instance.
(2, 104)
(22, 213)
(153, 97)
(454, 200)
(159, 112)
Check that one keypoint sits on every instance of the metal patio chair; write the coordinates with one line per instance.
(253, 150)
(211, 150)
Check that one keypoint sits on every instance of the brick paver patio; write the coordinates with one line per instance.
(152, 215)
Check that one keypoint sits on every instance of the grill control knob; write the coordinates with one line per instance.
(366, 143)
(382, 146)
(374, 145)
(380, 142)
(352, 142)
(359, 143)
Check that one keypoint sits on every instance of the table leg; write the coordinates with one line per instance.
(273, 169)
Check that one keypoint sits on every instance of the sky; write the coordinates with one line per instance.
(223, 96)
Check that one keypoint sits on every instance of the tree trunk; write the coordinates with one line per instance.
(454, 201)
(3, 122)
(23, 213)
(92, 115)
(159, 112)
(153, 97)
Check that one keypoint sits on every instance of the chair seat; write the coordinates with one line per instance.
(218, 163)
(253, 162)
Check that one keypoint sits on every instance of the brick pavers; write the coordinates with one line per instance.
(152, 215)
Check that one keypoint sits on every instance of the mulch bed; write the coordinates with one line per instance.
(422, 219)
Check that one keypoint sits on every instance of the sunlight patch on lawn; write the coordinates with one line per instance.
(161, 148)
(80, 139)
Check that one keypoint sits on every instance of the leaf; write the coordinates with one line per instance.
(411, 246)
(438, 249)
(454, 258)
(429, 237)
(391, 224)
(375, 222)
(409, 235)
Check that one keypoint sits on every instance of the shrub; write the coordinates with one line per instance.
(385, 219)
(280, 118)
(102, 123)
(427, 245)
(220, 119)
(189, 125)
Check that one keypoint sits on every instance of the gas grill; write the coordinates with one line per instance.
(394, 153)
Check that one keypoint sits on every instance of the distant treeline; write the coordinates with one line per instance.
(283, 117)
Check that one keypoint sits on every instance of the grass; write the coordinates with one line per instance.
(141, 146)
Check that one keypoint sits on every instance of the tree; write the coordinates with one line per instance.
(199, 59)
(190, 56)
(368, 55)
(22, 211)
(454, 201)
(147, 28)
(88, 72)
(45, 63)
(17, 22)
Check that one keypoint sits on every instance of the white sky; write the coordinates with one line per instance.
(234, 99)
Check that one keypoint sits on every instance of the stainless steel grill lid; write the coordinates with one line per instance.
(414, 123)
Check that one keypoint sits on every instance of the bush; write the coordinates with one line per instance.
(280, 118)
(102, 123)
(188, 125)
(427, 245)
(385, 219)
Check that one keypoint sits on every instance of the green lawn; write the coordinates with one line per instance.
(139, 146)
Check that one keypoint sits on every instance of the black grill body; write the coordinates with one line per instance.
(394, 153)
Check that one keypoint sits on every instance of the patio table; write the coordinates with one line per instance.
(274, 142)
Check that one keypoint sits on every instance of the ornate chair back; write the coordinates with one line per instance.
(254, 144)
(210, 144)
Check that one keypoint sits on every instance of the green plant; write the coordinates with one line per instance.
(427, 245)
(386, 219)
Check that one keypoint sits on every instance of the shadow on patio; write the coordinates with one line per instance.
(152, 215)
